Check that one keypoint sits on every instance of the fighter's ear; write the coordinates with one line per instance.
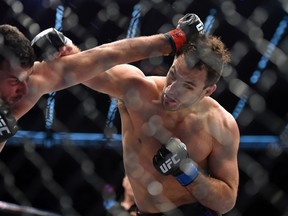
(210, 89)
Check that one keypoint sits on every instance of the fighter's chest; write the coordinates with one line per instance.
(191, 130)
(177, 124)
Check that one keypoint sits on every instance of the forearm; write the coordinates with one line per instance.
(140, 47)
(88, 64)
(218, 195)
(106, 56)
(213, 193)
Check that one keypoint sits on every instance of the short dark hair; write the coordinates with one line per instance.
(15, 46)
(209, 52)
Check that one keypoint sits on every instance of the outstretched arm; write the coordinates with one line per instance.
(87, 64)
(90, 63)
(54, 75)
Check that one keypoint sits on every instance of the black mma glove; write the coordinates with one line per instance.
(189, 27)
(8, 124)
(172, 159)
(48, 42)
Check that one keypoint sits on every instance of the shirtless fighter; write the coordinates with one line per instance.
(179, 144)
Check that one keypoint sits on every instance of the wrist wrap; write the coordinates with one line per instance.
(189, 173)
(177, 39)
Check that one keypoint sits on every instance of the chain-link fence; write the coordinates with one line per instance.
(69, 151)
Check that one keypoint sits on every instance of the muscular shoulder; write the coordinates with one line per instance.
(119, 81)
(40, 78)
(222, 124)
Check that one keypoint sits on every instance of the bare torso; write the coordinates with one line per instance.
(153, 191)
(209, 132)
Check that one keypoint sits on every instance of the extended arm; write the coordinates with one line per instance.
(56, 74)
(90, 63)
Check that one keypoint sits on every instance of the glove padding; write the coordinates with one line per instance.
(172, 159)
(189, 28)
(8, 123)
(47, 43)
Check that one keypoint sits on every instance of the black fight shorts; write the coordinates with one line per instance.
(195, 209)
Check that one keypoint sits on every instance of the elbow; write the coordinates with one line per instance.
(228, 201)
(227, 205)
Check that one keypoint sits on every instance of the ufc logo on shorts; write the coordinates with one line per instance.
(166, 166)
(3, 126)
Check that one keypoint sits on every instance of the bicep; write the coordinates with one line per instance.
(223, 161)
(115, 81)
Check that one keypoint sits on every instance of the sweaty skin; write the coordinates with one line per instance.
(155, 108)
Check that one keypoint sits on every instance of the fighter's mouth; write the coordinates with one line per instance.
(15, 99)
(169, 99)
